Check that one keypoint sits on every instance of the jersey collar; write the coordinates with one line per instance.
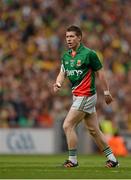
(77, 50)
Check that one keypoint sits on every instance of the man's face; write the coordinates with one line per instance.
(72, 39)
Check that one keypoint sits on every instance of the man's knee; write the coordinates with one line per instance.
(92, 131)
(66, 126)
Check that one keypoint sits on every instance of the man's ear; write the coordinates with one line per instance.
(80, 38)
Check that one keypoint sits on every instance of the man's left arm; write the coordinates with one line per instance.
(102, 78)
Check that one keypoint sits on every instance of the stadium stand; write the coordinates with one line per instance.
(31, 43)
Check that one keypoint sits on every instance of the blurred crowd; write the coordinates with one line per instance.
(32, 39)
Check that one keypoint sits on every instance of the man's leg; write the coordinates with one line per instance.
(92, 125)
(72, 119)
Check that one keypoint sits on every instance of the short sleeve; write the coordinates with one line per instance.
(95, 62)
(62, 68)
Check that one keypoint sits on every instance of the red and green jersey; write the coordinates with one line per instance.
(80, 69)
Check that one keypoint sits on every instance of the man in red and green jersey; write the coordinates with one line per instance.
(80, 70)
(81, 64)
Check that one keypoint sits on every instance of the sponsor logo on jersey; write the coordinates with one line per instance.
(78, 62)
(74, 72)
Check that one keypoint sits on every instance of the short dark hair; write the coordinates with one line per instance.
(76, 29)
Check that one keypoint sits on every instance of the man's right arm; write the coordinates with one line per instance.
(59, 81)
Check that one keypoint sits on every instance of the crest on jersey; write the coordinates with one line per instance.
(79, 62)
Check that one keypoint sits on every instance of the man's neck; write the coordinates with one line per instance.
(75, 48)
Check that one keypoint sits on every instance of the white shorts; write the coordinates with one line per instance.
(84, 103)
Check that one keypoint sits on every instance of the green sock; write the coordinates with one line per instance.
(109, 154)
(107, 151)
(72, 152)
(73, 155)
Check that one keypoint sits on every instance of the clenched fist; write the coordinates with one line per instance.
(56, 87)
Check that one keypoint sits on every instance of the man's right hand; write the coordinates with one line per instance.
(56, 87)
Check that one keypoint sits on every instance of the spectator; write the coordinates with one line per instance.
(31, 41)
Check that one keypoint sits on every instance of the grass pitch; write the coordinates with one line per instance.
(49, 167)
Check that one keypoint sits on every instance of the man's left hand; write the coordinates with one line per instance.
(108, 98)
